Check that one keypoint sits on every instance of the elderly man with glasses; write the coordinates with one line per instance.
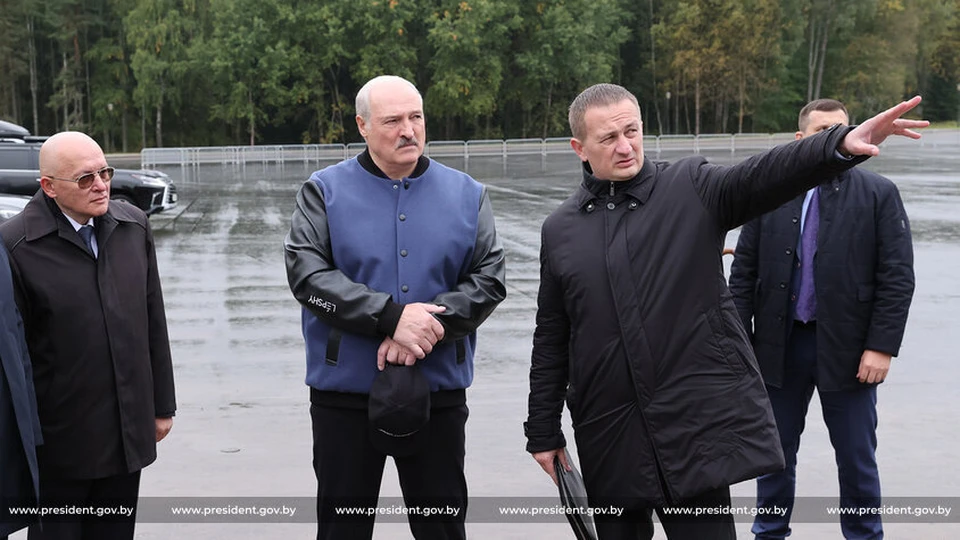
(86, 282)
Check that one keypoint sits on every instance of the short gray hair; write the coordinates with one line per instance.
(363, 96)
(598, 95)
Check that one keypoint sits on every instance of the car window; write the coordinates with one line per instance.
(18, 156)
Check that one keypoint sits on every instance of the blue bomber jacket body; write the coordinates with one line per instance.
(361, 246)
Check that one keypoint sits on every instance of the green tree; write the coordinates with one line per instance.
(326, 50)
(568, 45)
(253, 60)
(469, 40)
(387, 34)
(160, 31)
(885, 40)
(13, 61)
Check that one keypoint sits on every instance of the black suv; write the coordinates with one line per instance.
(151, 191)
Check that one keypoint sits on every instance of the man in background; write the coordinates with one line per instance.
(823, 285)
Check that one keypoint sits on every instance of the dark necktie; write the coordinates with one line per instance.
(86, 232)
(807, 296)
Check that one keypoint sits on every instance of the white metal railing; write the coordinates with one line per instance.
(654, 145)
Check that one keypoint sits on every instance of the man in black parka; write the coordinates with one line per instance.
(835, 328)
(636, 328)
(96, 330)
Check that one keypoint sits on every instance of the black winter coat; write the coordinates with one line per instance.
(97, 336)
(637, 329)
(19, 425)
(863, 274)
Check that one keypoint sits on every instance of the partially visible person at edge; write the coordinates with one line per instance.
(823, 285)
(19, 423)
(637, 330)
(86, 281)
(395, 259)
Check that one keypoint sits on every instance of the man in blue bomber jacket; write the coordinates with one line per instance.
(394, 259)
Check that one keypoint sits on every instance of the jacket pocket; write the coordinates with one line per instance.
(333, 347)
(722, 339)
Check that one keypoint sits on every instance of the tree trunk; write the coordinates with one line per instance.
(86, 74)
(77, 96)
(822, 56)
(123, 129)
(696, 104)
(812, 56)
(653, 71)
(676, 106)
(546, 112)
(14, 106)
(66, 96)
(32, 55)
(252, 120)
(159, 124)
(143, 125)
(741, 98)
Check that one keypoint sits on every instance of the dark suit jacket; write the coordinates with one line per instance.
(97, 335)
(19, 425)
(863, 274)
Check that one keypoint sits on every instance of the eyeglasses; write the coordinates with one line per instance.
(85, 181)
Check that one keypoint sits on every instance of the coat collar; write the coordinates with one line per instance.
(366, 161)
(42, 217)
(639, 187)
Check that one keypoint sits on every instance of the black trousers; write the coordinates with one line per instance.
(349, 470)
(108, 494)
(637, 524)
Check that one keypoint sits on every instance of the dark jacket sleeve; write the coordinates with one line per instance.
(20, 307)
(314, 278)
(894, 278)
(757, 185)
(744, 273)
(164, 396)
(549, 364)
(482, 288)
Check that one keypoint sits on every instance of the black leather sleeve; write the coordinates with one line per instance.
(480, 289)
(314, 279)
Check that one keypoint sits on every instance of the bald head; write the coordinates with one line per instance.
(385, 84)
(64, 158)
(59, 153)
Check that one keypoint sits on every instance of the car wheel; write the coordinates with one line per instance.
(124, 198)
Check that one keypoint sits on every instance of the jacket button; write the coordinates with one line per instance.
(404, 288)
(796, 220)
(611, 206)
(403, 217)
(396, 186)
(789, 251)
(403, 253)
(793, 298)
(783, 285)
(590, 207)
(633, 204)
